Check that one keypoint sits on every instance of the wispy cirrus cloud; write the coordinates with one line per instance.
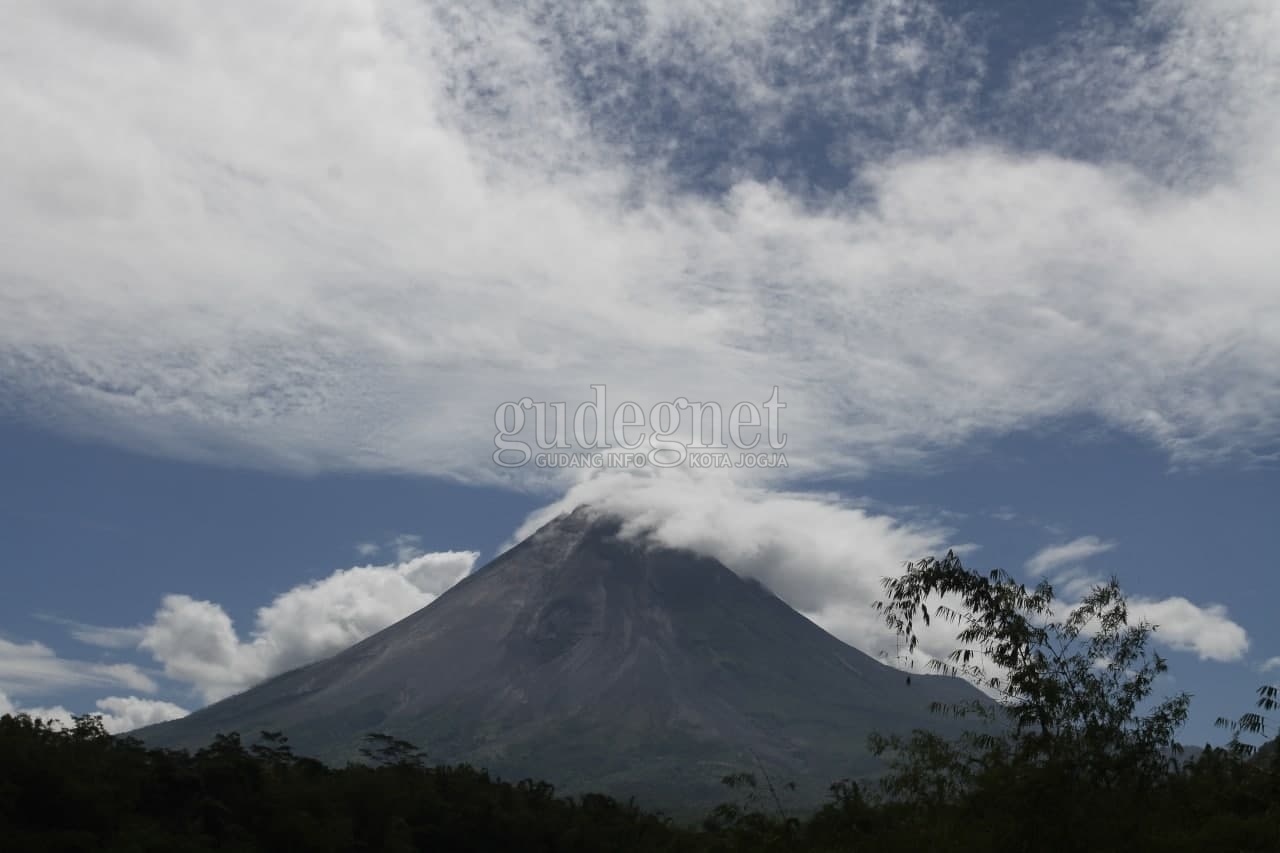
(33, 667)
(1067, 553)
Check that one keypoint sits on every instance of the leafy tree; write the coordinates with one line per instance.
(751, 823)
(1073, 738)
(387, 751)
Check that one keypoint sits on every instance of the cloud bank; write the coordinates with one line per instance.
(340, 238)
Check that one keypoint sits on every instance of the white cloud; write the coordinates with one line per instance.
(406, 546)
(339, 239)
(823, 555)
(33, 667)
(1206, 630)
(119, 713)
(107, 638)
(1075, 582)
(97, 635)
(56, 714)
(403, 546)
(1067, 553)
(1270, 664)
(126, 713)
(197, 643)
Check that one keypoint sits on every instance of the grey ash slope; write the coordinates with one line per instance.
(597, 663)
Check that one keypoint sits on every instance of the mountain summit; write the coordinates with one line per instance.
(597, 662)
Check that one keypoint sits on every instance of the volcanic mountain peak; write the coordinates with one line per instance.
(597, 661)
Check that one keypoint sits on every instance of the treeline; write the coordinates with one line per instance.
(1077, 756)
(81, 789)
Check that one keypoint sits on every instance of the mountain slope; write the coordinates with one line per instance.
(597, 663)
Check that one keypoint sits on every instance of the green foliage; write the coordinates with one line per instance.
(1251, 723)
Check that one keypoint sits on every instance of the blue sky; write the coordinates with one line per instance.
(268, 275)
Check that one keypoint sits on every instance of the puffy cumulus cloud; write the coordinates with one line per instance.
(1206, 630)
(341, 238)
(1066, 554)
(35, 668)
(197, 643)
(119, 713)
(826, 557)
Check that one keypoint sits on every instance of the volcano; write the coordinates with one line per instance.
(604, 663)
